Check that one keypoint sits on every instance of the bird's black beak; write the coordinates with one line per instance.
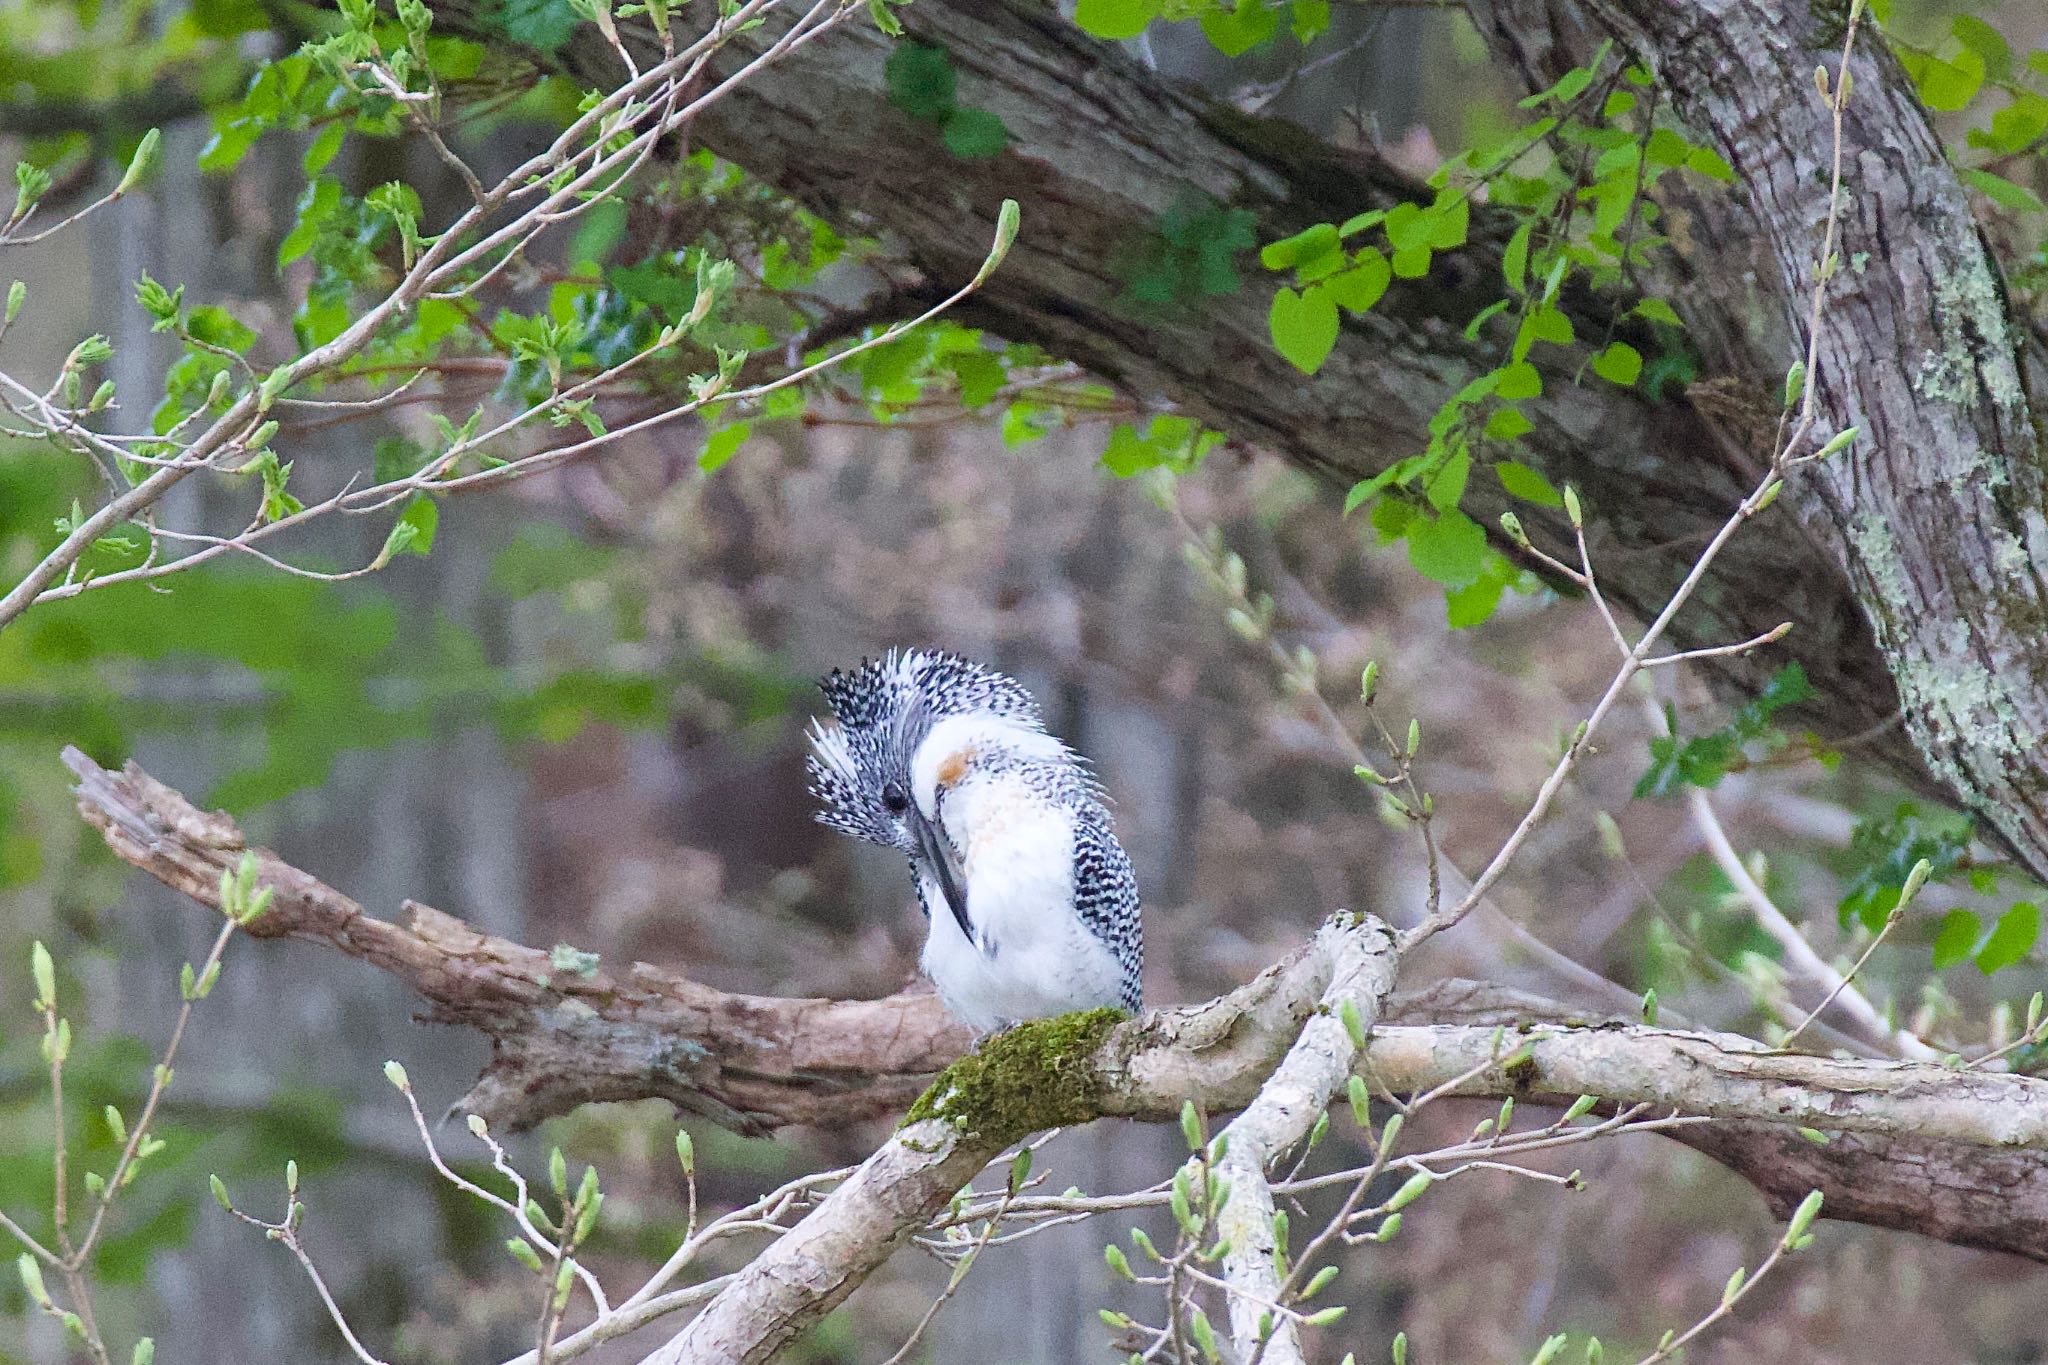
(936, 852)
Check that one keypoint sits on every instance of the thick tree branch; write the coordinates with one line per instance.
(1281, 1018)
(1286, 1107)
(1101, 149)
(559, 1037)
(1915, 1147)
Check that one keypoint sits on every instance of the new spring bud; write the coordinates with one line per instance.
(1354, 1026)
(139, 164)
(32, 1279)
(44, 970)
(1838, 442)
(1410, 1191)
(1795, 383)
(1802, 1219)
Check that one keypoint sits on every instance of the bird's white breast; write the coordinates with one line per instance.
(1037, 959)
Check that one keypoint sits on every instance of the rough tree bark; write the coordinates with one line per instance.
(1927, 533)
(1937, 514)
(1914, 1147)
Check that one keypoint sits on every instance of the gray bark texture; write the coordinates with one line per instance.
(1910, 566)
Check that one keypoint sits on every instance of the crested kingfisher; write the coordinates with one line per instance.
(1030, 901)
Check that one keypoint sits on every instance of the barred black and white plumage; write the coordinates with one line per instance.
(1031, 901)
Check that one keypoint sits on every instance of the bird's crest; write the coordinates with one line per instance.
(881, 711)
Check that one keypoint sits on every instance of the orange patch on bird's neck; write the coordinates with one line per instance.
(953, 767)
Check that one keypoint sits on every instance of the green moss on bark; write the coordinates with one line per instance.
(1034, 1076)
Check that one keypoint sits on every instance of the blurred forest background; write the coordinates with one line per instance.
(578, 720)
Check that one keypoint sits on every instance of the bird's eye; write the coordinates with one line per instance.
(894, 797)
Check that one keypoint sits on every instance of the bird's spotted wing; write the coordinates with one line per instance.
(1106, 899)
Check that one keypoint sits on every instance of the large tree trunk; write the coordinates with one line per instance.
(1908, 566)
(1936, 514)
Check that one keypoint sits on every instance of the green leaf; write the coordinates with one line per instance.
(975, 134)
(1446, 487)
(980, 375)
(1987, 42)
(1127, 453)
(1407, 227)
(1366, 489)
(1946, 86)
(1573, 83)
(2012, 939)
(722, 445)
(1619, 364)
(1956, 941)
(1304, 246)
(1311, 19)
(1365, 284)
(322, 149)
(1238, 30)
(2015, 127)
(1709, 163)
(1115, 18)
(1514, 262)
(1450, 220)
(1412, 263)
(2003, 192)
(920, 81)
(1304, 326)
(1449, 549)
(1484, 316)
(1527, 484)
(232, 138)
(1472, 605)
(423, 517)
(1548, 324)
(1519, 381)
(1888, 848)
(1509, 424)
(1656, 310)
(542, 24)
